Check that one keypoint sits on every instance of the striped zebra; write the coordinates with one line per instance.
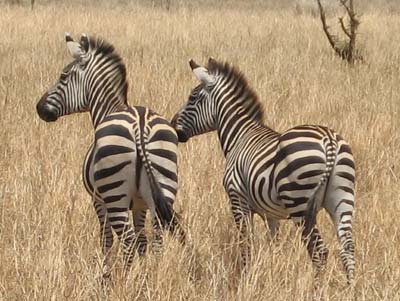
(132, 164)
(288, 175)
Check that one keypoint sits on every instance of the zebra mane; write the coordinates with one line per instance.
(101, 47)
(228, 71)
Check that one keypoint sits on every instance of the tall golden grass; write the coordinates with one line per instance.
(49, 240)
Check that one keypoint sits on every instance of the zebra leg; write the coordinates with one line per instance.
(340, 204)
(341, 216)
(106, 235)
(123, 228)
(316, 248)
(243, 219)
(176, 229)
(272, 225)
(157, 238)
(139, 218)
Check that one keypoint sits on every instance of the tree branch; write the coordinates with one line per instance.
(325, 27)
(344, 27)
(347, 50)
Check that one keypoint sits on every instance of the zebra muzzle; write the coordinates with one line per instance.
(46, 111)
(182, 136)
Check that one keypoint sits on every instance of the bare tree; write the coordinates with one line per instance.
(14, 2)
(346, 49)
(20, 2)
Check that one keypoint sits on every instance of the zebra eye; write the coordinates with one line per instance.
(67, 71)
(64, 76)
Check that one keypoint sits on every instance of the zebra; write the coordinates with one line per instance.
(132, 164)
(289, 175)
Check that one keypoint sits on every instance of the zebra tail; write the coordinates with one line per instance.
(314, 205)
(163, 210)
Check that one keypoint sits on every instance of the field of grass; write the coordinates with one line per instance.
(49, 241)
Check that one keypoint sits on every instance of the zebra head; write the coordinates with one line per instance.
(68, 95)
(198, 114)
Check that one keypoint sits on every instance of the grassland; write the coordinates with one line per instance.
(49, 243)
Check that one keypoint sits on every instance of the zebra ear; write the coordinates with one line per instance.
(201, 73)
(212, 64)
(74, 48)
(84, 42)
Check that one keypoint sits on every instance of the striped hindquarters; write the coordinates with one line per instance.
(305, 159)
(160, 141)
(157, 148)
(128, 145)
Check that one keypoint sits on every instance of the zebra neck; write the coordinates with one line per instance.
(236, 126)
(102, 108)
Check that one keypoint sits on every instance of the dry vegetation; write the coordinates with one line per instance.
(49, 244)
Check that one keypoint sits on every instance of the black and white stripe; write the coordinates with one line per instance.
(288, 175)
(132, 163)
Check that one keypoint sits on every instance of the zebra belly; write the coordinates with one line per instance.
(260, 196)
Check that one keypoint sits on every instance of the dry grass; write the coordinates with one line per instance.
(49, 246)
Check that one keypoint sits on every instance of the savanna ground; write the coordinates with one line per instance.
(49, 241)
